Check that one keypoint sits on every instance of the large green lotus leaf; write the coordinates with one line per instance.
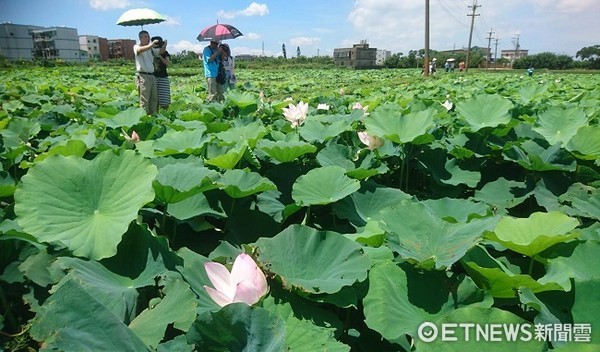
(302, 334)
(239, 327)
(488, 110)
(532, 156)
(179, 142)
(7, 184)
(89, 207)
(390, 123)
(178, 181)
(229, 159)
(250, 134)
(315, 131)
(284, 151)
(193, 206)
(457, 209)
(39, 269)
(176, 306)
(586, 143)
(477, 339)
(582, 200)
(19, 131)
(559, 125)
(323, 185)
(586, 310)
(245, 101)
(73, 319)
(534, 234)
(239, 183)
(336, 154)
(460, 176)
(417, 234)
(401, 299)
(116, 293)
(545, 315)
(498, 280)
(365, 205)
(582, 264)
(314, 261)
(127, 118)
(72, 147)
(503, 193)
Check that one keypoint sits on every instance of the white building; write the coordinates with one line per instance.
(381, 56)
(25, 42)
(16, 41)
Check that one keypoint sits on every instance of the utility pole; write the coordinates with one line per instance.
(488, 56)
(426, 60)
(496, 54)
(516, 41)
(474, 7)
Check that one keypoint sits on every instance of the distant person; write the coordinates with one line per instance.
(461, 66)
(530, 71)
(447, 66)
(211, 56)
(433, 66)
(452, 66)
(229, 64)
(163, 84)
(144, 54)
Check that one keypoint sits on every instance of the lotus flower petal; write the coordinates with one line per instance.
(220, 277)
(246, 292)
(218, 297)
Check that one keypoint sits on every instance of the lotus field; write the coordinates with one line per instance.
(312, 210)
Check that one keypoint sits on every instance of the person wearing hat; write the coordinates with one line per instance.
(211, 56)
(144, 53)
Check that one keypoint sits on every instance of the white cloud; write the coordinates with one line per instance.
(252, 36)
(305, 41)
(185, 45)
(171, 21)
(104, 5)
(254, 9)
(242, 50)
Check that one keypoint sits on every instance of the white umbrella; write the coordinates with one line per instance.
(451, 59)
(139, 17)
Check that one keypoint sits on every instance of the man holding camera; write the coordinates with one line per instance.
(145, 52)
(211, 56)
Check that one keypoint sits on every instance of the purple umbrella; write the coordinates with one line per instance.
(219, 32)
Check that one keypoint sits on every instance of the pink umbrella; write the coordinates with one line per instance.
(219, 32)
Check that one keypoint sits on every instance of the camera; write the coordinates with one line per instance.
(160, 42)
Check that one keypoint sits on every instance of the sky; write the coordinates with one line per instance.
(319, 26)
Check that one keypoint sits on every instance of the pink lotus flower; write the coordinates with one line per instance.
(135, 137)
(359, 106)
(372, 142)
(296, 114)
(246, 282)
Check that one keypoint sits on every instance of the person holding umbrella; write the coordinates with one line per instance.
(211, 57)
(145, 52)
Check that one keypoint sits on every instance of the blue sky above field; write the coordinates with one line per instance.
(319, 26)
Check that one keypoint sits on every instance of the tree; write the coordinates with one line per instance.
(283, 51)
(547, 60)
(591, 54)
(298, 52)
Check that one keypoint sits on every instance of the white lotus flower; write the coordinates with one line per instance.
(322, 106)
(246, 282)
(296, 114)
(372, 142)
(448, 104)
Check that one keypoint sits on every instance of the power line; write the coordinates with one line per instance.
(449, 13)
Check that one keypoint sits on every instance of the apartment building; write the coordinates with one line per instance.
(95, 46)
(359, 56)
